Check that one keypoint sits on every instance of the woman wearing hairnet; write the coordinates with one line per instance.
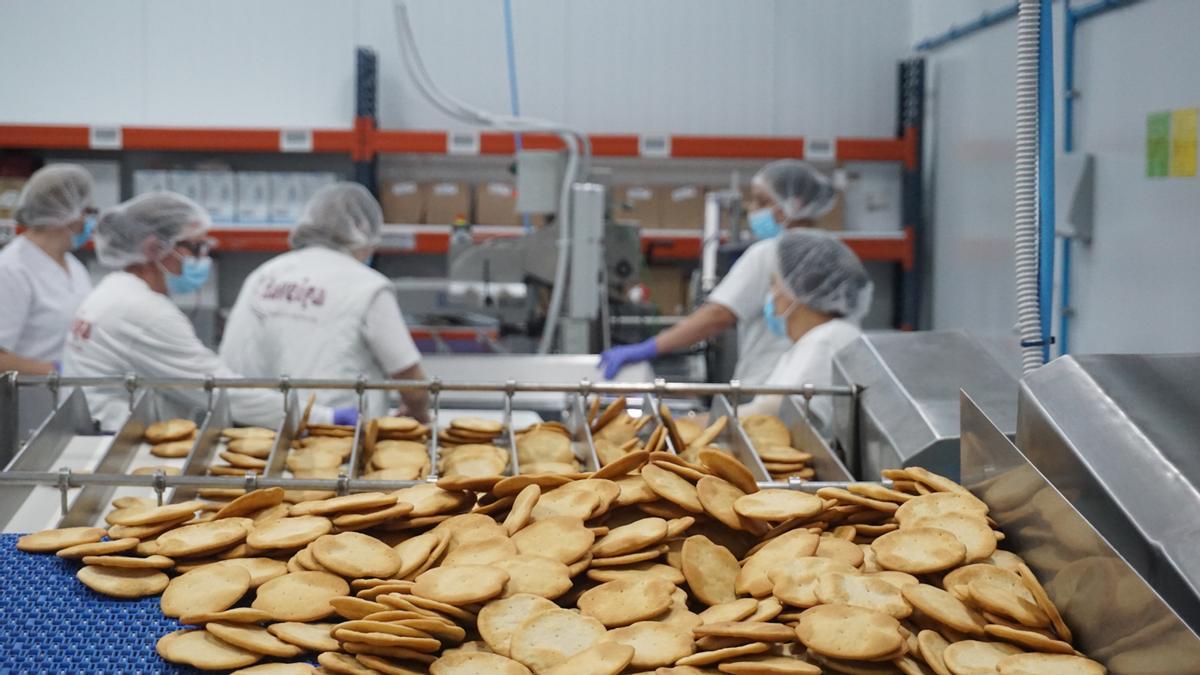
(818, 290)
(320, 312)
(42, 282)
(785, 194)
(159, 246)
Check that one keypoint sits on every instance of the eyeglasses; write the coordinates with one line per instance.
(198, 248)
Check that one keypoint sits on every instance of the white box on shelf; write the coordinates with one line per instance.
(220, 195)
(188, 183)
(315, 180)
(253, 197)
(149, 180)
(287, 196)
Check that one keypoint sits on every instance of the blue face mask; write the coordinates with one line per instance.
(762, 223)
(89, 226)
(775, 323)
(192, 275)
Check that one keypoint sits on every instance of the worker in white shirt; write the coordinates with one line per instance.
(41, 282)
(159, 245)
(785, 194)
(819, 290)
(320, 312)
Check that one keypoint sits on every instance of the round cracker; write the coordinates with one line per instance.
(769, 665)
(996, 599)
(711, 570)
(173, 449)
(355, 555)
(463, 585)
(535, 575)
(235, 615)
(753, 577)
(211, 588)
(845, 632)
(795, 581)
(939, 504)
(562, 538)
(202, 538)
(672, 487)
(169, 430)
(50, 541)
(971, 530)
(499, 619)
(203, 650)
(98, 548)
(1030, 639)
(859, 590)
(1048, 664)
(718, 655)
(157, 562)
(522, 508)
(313, 637)
(730, 468)
(121, 582)
(632, 537)
(655, 569)
(918, 550)
(472, 663)
(300, 596)
(252, 502)
(625, 601)
(551, 637)
(734, 610)
(252, 638)
(944, 608)
(778, 505)
(747, 630)
(976, 656)
(288, 533)
(654, 643)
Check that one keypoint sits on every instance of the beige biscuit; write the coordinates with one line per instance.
(120, 582)
(252, 638)
(918, 550)
(840, 549)
(718, 496)
(778, 505)
(98, 548)
(288, 533)
(1043, 601)
(211, 588)
(971, 530)
(602, 658)
(632, 537)
(300, 596)
(562, 538)
(203, 650)
(356, 555)
(795, 581)
(611, 413)
(173, 449)
(169, 430)
(845, 632)
(363, 520)
(560, 502)
(634, 490)
(996, 599)
(499, 619)
(730, 468)
(276, 669)
(251, 502)
(549, 638)
(129, 562)
(718, 655)
(748, 630)
(975, 656)
(859, 590)
(932, 645)
(476, 663)
(769, 665)
(783, 454)
(415, 551)
(956, 580)
(234, 433)
(421, 644)
(766, 430)
(939, 504)
(236, 615)
(625, 601)
(711, 570)
(356, 608)
(396, 424)
(654, 569)
(253, 447)
(672, 488)
(158, 514)
(477, 425)
(734, 610)
(655, 644)
(482, 552)
(461, 585)
(1030, 639)
(535, 575)
(944, 608)
(202, 538)
(310, 637)
(630, 558)
(625, 464)
(522, 508)
(261, 570)
(1048, 664)
(753, 578)
(431, 500)
(336, 662)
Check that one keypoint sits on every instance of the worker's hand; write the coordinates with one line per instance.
(617, 358)
(347, 416)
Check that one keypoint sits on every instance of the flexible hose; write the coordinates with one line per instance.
(1025, 186)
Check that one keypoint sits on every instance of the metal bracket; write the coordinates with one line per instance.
(131, 385)
(251, 479)
(160, 485)
(210, 386)
(343, 484)
(285, 386)
(64, 485)
(52, 383)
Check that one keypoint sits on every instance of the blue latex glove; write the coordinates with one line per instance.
(617, 358)
(57, 366)
(347, 416)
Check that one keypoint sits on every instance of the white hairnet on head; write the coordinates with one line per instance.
(54, 195)
(800, 190)
(823, 273)
(161, 218)
(343, 216)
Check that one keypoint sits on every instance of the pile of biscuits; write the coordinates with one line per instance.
(773, 442)
(168, 439)
(651, 564)
(546, 448)
(396, 448)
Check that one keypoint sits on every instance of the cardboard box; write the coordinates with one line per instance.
(683, 208)
(10, 192)
(402, 202)
(640, 203)
(447, 201)
(220, 195)
(835, 220)
(287, 197)
(253, 197)
(496, 204)
(150, 180)
(188, 183)
(668, 288)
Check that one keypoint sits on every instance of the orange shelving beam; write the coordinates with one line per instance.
(43, 136)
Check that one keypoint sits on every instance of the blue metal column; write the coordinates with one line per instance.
(1046, 149)
(366, 110)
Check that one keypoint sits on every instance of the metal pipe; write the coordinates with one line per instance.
(1025, 187)
(68, 480)
(955, 33)
(674, 388)
(1045, 165)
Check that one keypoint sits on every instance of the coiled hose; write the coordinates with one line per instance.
(1025, 186)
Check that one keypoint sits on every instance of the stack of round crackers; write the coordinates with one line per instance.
(546, 448)
(395, 448)
(772, 442)
(168, 439)
(652, 564)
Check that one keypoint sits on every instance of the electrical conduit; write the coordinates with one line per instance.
(1025, 186)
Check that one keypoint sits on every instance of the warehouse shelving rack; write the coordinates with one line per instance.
(364, 142)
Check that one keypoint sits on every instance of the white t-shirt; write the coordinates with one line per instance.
(125, 327)
(319, 313)
(38, 299)
(808, 361)
(743, 291)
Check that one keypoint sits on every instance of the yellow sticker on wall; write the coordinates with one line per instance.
(1183, 142)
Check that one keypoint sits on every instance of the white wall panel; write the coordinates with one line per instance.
(71, 61)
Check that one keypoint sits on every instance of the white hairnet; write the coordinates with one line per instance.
(343, 216)
(823, 273)
(157, 218)
(54, 195)
(800, 190)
